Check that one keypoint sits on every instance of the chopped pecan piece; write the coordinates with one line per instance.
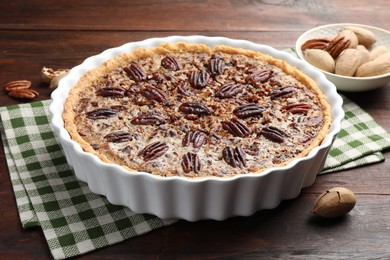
(195, 108)
(236, 127)
(118, 137)
(148, 119)
(214, 138)
(196, 137)
(153, 150)
(258, 77)
(274, 134)
(153, 93)
(95, 146)
(312, 121)
(190, 162)
(299, 108)
(216, 65)
(229, 90)
(234, 157)
(248, 110)
(127, 150)
(182, 89)
(119, 107)
(199, 79)
(135, 72)
(110, 92)
(171, 63)
(283, 92)
(102, 113)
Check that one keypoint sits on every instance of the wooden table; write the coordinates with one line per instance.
(61, 34)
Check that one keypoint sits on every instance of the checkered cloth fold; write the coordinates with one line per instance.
(75, 220)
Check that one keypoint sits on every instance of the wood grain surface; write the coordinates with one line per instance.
(61, 34)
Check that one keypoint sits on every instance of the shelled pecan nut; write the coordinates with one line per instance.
(111, 92)
(118, 137)
(190, 162)
(25, 93)
(153, 150)
(229, 90)
(235, 157)
(274, 134)
(148, 119)
(102, 113)
(298, 108)
(283, 92)
(248, 110)
(197, 138)
(136, 72)
(236, 127)
(337, 45)
(199, 79)
(17, 84)
(316, 43)
(258, 77)
(216, 66)
(195, 108)
(153, 93)
(171, 63)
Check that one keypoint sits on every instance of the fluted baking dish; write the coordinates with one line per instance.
(186, 198)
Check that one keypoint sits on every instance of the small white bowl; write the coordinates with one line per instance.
(345, 83)
(194, 199)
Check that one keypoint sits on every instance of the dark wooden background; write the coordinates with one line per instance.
(61, 34)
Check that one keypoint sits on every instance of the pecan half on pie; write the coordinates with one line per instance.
(188, 110)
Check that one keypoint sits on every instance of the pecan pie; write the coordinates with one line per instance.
(189, 110)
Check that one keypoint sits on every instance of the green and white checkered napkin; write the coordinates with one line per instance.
(76, 221)
(73, 219)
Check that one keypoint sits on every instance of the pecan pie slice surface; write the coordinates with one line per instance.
(189, 110)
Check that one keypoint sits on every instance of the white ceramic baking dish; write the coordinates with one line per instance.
(185, 198)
